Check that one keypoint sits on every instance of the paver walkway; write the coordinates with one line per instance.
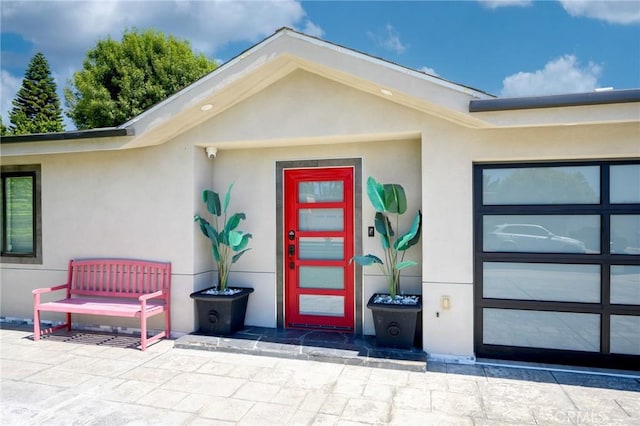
(53, 382)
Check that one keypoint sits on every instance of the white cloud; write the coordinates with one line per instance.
(388, 39)
(614, 12)
(207, 24)
(494, 4)
(9, 86)
(561, 75)
(429, 71)
(64, 31)
(312, 29)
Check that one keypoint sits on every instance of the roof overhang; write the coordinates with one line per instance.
(604, 97)
(103, 139)
(597, 107)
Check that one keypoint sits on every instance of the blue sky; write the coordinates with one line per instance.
(504, 47)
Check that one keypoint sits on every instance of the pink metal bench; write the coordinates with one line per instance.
(111, 287)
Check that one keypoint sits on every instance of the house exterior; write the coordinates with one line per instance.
(531, 206)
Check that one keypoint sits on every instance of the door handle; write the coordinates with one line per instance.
(292, 252)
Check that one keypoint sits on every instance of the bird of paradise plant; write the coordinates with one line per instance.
(390, 201)
(228, 243)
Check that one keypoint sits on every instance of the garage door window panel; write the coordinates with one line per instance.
(541, 233)
(541, 185)
(541, 281)
(625, 184)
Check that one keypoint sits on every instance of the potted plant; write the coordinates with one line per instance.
(221, 309)
(394, 314)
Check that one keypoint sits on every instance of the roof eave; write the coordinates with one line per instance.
(107, 132)
(555, 101)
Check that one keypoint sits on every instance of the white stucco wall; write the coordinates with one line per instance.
(254, 193)
(129, 204)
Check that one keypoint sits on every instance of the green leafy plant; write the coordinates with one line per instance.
(228, 243)
(390, 202)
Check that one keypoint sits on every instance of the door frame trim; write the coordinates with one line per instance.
(356, 163)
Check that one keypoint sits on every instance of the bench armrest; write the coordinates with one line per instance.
(49, 289)
(154, 295)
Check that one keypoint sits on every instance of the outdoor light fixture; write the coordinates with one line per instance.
(386, 92)
(206, 107)
(212, 151)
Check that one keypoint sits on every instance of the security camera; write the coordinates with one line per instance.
(211, 152)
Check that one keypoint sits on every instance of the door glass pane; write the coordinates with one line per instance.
(625, 285)
(19, 215)
(625, 234)
(331, 306)
(625, 184)
(625, 337)
(541, 185)
(321, 248)
(321, 219)
(541, 281)
(317, 192)
(542, 233)
(331, 277)
(537, 329)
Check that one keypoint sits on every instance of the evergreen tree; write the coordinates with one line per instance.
(121, 79)
(36, 108)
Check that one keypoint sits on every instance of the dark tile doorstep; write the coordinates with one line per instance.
(323, 346)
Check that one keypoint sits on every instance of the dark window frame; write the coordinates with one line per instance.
(605, 259)
(33, 171)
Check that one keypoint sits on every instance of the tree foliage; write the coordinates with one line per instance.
(36, 108)
(121, 79)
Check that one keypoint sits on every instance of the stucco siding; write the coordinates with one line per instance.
(305, 107)
(253, 173)
(126, 204)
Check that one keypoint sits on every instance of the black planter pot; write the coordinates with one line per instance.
(220, 314)
(395, 324)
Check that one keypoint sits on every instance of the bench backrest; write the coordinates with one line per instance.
(118, 277)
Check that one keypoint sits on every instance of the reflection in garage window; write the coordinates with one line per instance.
(541, 185)
(541, 233)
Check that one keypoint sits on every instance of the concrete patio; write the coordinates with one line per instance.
(91, 378)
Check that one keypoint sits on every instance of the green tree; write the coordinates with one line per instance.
(36, 108)
(121, 79)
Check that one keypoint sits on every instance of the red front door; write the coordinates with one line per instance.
(318, 245)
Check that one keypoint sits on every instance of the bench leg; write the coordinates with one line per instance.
(68, 321)
(167, 325)
(36, 324)
(143, 332)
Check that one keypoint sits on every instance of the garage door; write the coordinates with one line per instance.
(557, 262)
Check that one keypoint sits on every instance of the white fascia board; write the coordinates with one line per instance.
(402, 85)
(392, 66)
(64, 147)
(201, 88)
